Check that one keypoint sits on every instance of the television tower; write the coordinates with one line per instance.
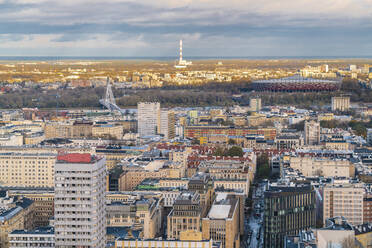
(180, 52)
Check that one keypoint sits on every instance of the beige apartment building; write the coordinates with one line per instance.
(311, 166)
(21, 169)
(15, 214)
(43, 204)
(68, 130)
(167, 124)
(223, 221)
(344, 200)
(130, 179)
(108, 131)
(141, 214)
(185, 215)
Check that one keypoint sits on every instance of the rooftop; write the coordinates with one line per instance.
(76, 158)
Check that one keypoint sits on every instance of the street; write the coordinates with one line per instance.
(253, 235)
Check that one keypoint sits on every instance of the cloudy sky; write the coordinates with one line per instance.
(208, 27)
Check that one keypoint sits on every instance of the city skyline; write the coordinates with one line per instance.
(208, 28)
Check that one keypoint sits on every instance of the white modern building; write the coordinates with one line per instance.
(148, 118)
(79, 203)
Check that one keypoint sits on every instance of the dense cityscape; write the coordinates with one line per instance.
(246, 174)
(185, 124)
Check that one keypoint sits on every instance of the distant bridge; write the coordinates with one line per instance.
(109, 100)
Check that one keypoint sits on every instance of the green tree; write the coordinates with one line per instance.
(235, 151)
(219, 151)
(263, 167)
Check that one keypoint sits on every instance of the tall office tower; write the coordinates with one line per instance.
(185, 215)
(289, 208)
(312, 133)
(167, 124)
(148, 118)
(255, 104)
(344, 200)
(340, 103)
(79, 204)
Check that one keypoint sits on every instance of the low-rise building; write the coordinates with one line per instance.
(40, 237)
(313, 166)
(223, 221)
(15, 213)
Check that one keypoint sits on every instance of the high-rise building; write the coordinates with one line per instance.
(79, 204)
(312, 133)
(167, 124)
(289, 208)
(340, 103)
(148, 118)
(255, 104)
(344, 200)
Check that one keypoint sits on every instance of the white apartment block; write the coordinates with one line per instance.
(344, 200)
(148, 118)
(79, 204)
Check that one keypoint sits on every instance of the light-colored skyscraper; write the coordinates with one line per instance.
(340, 103)
(148, 118)
(79, 204)
(255, 104)
(312, 133)
(167, 124)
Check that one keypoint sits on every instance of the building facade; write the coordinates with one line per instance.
(185, 215)
(167, 124)
(312, 133)
(340, 103)
(288, 210)
(24, 169)
(344, 200)
(79, 204)
(148, 118)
